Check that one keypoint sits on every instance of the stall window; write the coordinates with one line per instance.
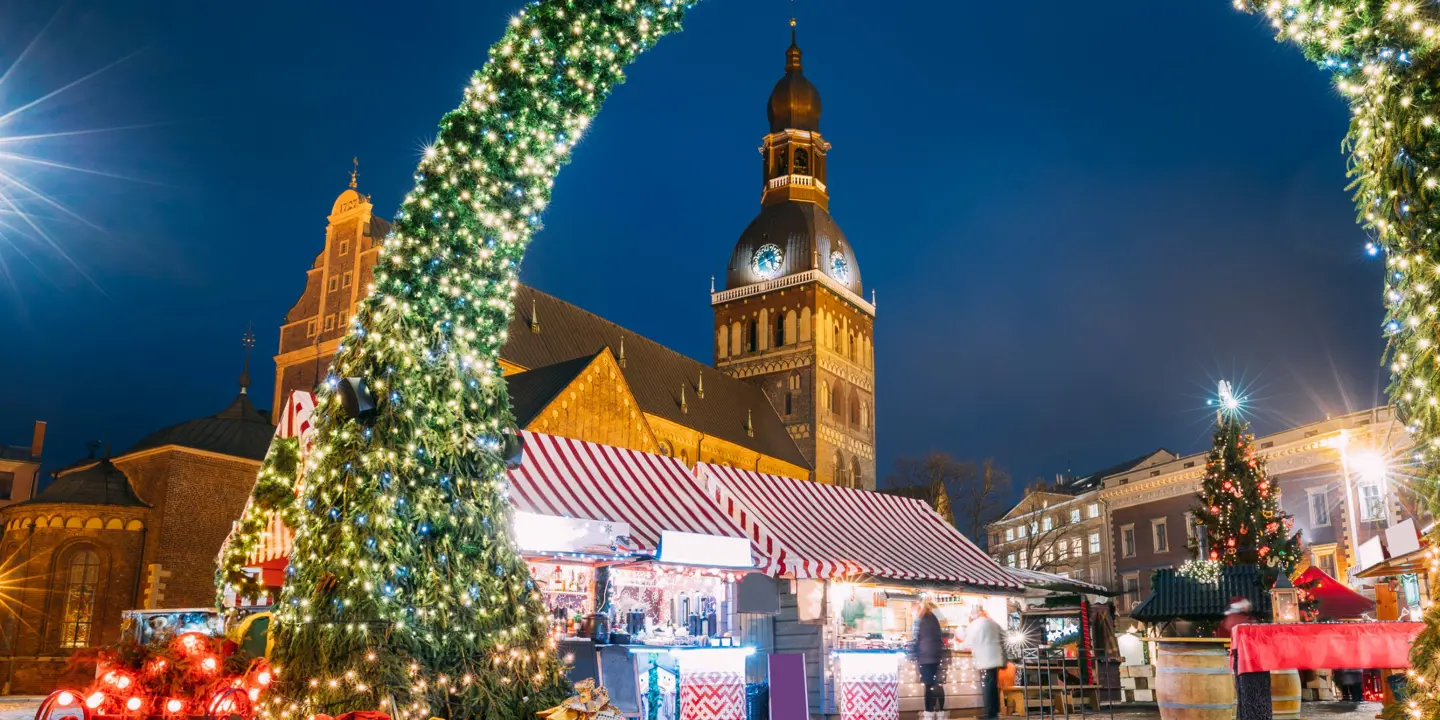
(1160, 535)
(1074, 515)
(1093, 511)
(1010, 559)
(1047, 524)
(1372, 507)
(1095, 543)
(1009, 534)
(1319, 508)
(1127, 541)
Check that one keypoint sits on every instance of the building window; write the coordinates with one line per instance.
(334, 283)
(795, 382)
(752, 337)
(864, 414)
(1010, 559)
(1050, 554)
(344, 247)
(1095, 543)
(1159, 534)
(789, 403)
(1093, 511)
(82, 579)
(779, 330)
(1022, 531)
(1074, 515)
(310, 328)
(1047, 524)
(1319, 507)
(329, 323)
(345, 279)
(1131, 585)
(1325, 559)
(835, 404)
(1190, 532)
(1077, 547)
(1025, 559)
(1372, 506)
(824, 395)
(7, 484)
(1127, 541)
(1009, 534)
(1064, 550)
(665, 448)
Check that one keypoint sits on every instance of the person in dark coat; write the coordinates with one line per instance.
(1351, 685)
(928, 648)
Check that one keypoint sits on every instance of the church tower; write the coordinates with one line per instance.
(792, 318)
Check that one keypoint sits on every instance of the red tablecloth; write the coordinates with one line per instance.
(1323, 646)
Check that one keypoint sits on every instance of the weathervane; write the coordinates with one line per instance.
(355, 171)
(248, 342)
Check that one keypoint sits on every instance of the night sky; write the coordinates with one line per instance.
(1077, 216)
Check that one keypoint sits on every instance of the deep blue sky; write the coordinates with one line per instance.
(1077, 216)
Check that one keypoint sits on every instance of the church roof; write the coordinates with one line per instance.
(808, 239)
(795, 102)
(239, 430)
(654, 373)
(95, 482)
(531, 391)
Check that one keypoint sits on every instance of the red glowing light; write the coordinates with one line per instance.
(95, 700)
(209, 664)
(133, 704)
(65, 698)
(263, 678)
(174, 706)
(123, 681)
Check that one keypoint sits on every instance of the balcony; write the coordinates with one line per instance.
(787, 281)
(798, 180)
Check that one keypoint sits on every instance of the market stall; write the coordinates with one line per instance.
(858, 565)
(1068, 653)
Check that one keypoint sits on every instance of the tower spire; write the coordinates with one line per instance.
(355, 171)
(248, 342)
(535, 323)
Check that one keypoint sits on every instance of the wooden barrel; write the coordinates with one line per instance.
(1285, 694)
(1193, 680)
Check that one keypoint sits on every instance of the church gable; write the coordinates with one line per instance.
(584, 399)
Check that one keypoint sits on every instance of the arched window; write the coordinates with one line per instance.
(789, 403)
(805, 325)
(854, 410)
(836, 404)
(752, 339)
(789, 328)
(735, 335)
(856, 479)
(865, 414)
(824, 395)
(81, 582)
(763, 331)
(779, 330)
(840, 470)
(802, 161)
(722, 344)
(685, 457)
(665, 448)
(835, 337)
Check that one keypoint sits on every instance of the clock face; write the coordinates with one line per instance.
(766, 262)
(839, 266)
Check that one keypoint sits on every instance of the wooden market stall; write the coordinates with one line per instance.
(855, 566)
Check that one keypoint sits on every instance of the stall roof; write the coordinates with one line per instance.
(810, 530)
(1049, 581)
(577, 479)
(1176, 597)
(1337, 602)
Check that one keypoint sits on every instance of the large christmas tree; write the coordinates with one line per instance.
(405, 592)
(1239, 507)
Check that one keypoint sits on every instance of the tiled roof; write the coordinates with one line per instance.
(239, 430)
(97, 483)
(1093, 480)
(654, 373)
(532, 390)
(1175, 597)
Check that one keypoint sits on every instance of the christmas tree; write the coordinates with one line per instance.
(405, 592)
(1239, 507)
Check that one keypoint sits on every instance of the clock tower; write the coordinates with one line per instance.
(792, 318)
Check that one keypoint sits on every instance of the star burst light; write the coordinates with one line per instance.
(34, 218)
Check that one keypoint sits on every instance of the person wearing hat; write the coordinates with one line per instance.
(1237, 614)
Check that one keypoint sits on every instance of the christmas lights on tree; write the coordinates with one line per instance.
(1382, 55)
(1239, 506)
(405, 592)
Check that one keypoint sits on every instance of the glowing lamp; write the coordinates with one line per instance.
(95, 700)
(1285, 601)
(174, 706)
(1369, 465)
(209, 664)
(263, 678)
(65, 698)
(254, 694)
(123, 681)
(133, 704)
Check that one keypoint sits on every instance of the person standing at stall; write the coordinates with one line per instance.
(928, 647)
(987, 656)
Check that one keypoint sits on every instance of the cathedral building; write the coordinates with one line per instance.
(792, 319)
(792, 388)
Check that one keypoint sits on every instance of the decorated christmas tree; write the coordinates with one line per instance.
(405, 592)
(1239, 507)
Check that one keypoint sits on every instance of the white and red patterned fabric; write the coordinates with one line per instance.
(870, 697)
(712, 695)
(810, 530)
(295, 420)
(651, 493)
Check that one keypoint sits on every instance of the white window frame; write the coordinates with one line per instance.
(1127, 550)
(1075, 515)
(1077, 547)
(1366, 506)
(1093, 511)
(1160, 535)
(1009, 534)
(1010, 559)
(1094, 543)
(1025, 559)
(1323, 494)
(1064, 553)
(1189, 527)
(1130, 602)
(1021, 531)
(1319, 551)
(1047, 523)
(1050, 553)
(1034, 527)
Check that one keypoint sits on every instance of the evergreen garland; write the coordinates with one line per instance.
(274, 493)
(1382, 55)
(406, 593)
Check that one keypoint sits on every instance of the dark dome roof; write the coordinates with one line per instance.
(806, 236)
(794, 103)
(239, 430)
(99, 483)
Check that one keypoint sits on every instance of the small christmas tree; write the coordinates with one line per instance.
(1239, 507)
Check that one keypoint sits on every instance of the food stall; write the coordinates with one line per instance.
(855, 566)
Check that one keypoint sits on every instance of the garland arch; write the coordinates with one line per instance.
(405, 592)
(1384, 60)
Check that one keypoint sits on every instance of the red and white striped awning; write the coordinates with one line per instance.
(583, 480)
(810, 530)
